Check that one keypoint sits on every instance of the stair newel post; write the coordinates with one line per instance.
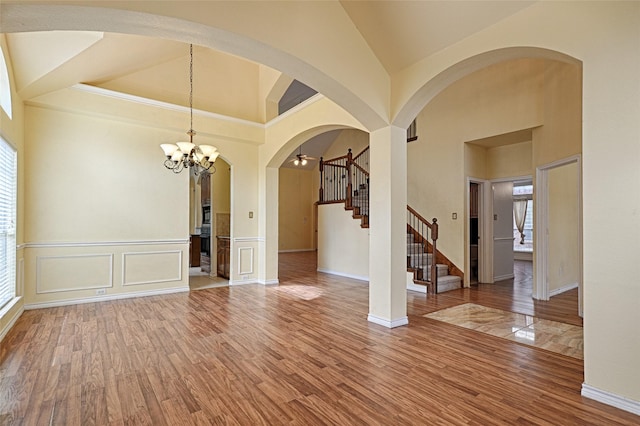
(321, 190)
(349, 201)
(434, 268)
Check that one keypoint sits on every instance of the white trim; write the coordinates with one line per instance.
(104, 243)
(248, 239)
(106, 298)
(163, 105)
(540, 226)
(398, 322)
(142, 253)
(563, 289)
(296, 250)
(504, 277)
(302, 105)
(343, 274)
(611, 399)
(541, 206)
(269, 282)
(512, 179)
(485, 230)
(109, 283)
(20, 246)
(13, 319)
(244, 282)
(525, 256)
(20, 279)
(248, 271)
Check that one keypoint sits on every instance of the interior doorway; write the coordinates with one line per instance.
(559, 229)
(210, 227)
(474, 232)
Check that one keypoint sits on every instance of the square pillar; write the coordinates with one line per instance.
(388, 227)
(268, 226)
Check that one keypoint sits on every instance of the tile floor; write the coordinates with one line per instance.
(199, 280)
(554, 336)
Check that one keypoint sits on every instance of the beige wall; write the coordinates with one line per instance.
(101, 212)
(357, 140)
(563, 230)
(500, 99)
(295, 204)
(510, 161)
(95, 229)
(343, 246)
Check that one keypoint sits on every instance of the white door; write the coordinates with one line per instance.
(502, 230)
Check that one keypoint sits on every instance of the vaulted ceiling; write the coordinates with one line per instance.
(399, 33)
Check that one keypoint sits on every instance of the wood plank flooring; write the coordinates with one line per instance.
(301, 353)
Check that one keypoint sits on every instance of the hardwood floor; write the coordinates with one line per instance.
(300, 353)
(514, 295)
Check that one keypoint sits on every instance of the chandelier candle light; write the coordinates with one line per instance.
(182, 155)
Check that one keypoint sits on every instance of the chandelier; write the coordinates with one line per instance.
(182, 155)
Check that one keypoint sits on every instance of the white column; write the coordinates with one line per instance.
(268, 226)
(388, 227)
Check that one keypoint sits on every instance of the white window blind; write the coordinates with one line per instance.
(8, 185)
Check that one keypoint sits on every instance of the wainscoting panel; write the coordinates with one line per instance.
(151, 267)
(245, 261)
(73, 272)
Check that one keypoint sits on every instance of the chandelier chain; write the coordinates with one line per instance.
(191, 91)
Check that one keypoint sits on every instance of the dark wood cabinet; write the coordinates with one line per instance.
(224, 249)
(194, 255)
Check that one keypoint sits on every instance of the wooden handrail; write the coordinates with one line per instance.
(416, 214)
(425, 233)
(359, 167)
(342, 157)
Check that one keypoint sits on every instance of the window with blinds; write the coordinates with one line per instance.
(8, 185)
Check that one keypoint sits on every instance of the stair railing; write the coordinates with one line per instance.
(426, 234)
(344, 176)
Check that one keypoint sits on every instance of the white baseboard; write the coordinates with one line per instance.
(67, 302)
(523, 255)
(243, 282)
(563, 289)
(254, 281)
(343, 274)
(11, 323)
(503, 277)
(612, 399)
(388, 323)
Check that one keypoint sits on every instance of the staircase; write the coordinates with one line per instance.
(346, 179)
(419, 263)
(360, 204)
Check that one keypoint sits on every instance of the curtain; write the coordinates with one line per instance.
(520, 214)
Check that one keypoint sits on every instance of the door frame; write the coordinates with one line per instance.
(485, 227)
(541, 246)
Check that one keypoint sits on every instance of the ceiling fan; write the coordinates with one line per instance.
(301, 159)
